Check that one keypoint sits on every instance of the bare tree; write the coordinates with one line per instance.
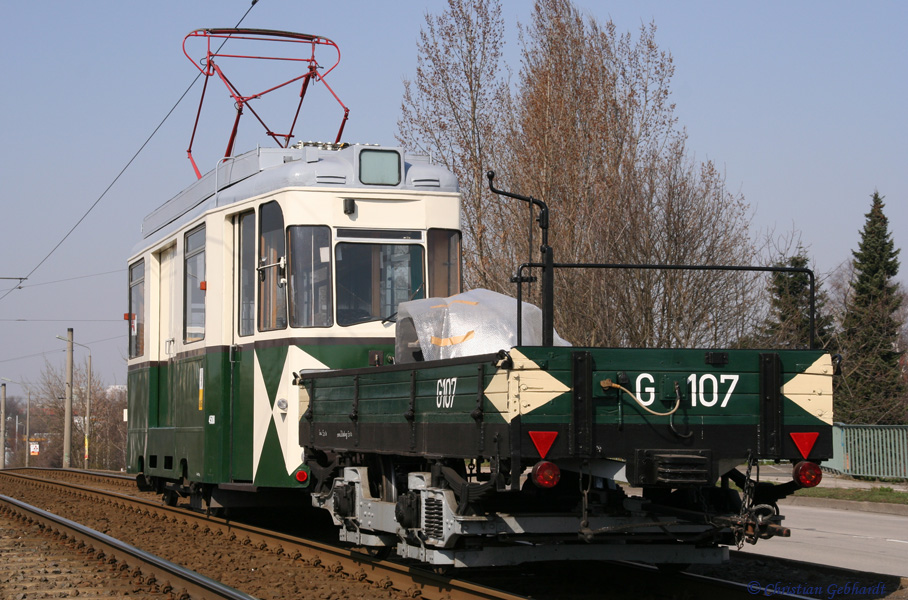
(107, 430)
(454, 110)
(599, 142)
(16, 442)
(591, 131)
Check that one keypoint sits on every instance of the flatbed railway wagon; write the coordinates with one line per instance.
(298, 336)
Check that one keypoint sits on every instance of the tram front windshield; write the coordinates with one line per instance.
(372, 279)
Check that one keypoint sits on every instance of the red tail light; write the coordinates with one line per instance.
(302, 476)
(807, 474)
(546, 474)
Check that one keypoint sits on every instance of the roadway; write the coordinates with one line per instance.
(863, 541)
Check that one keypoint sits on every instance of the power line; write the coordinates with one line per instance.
(60, 320)
(22, 287)
(46, 352)
(123, 170)
(6, 360)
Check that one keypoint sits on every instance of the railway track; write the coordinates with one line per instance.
(318, 570)
(272, 561)
(84, 553)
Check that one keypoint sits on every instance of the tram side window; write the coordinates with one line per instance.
(136, 314)
(444, 262)
(272, 288)
(372, 279)
(194, 286)
(309, 265)
(246, 304)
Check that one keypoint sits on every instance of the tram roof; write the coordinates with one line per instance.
(265, 170)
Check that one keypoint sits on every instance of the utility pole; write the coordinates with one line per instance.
(2, 425)
(87, 425)
(28, 435)
(68, 418)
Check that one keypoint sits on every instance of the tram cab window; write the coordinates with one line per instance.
(372, 279)
(309, 267)
(271, 269)
(444, 262)
(136, 315)
(194, 286)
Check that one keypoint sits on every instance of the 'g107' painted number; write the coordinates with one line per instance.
(705, 389)
(444, 392)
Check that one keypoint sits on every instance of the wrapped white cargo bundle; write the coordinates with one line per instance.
(468, 324)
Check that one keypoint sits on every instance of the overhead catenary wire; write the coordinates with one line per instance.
(58, 350)
(122, 171)
(60, 320)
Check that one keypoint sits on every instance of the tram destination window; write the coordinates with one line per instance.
(372, 279)
(309, 266)
(136, 314)
(379, 234)
(194, 286)
(379, 167)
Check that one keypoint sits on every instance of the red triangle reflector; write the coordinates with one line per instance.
(804, 440)
(543, 441)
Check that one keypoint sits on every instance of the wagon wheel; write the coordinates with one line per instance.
(383, 486)
(378, 552)
(170, 497)
(382, 483)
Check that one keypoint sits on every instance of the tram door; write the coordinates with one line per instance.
(166, 337)
(242, 354)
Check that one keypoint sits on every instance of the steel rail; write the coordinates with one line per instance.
(118, 478)
(194, 584)
(412, 580)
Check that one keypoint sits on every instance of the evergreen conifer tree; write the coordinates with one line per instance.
(872, 389)
(788, 323)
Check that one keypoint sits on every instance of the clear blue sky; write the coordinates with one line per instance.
(800, 103)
